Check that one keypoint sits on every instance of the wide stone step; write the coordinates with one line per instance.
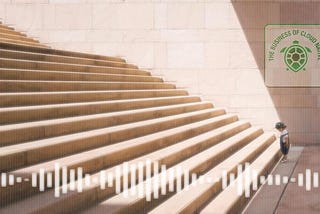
(2, 26)
(22, 74)
(197, 164)
(17, 37)
(47, 86)
(21, 155)
(5, 30)
(30, 43)
(191, 200)
(22, 132)
(34, 49)
(43, 98)
(212, 135)
(230, 201)
(108, 156)
(12, 54)
(45, 112)
(36, 65)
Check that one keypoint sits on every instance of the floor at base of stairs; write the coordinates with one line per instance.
(278, 198)
(297, 199)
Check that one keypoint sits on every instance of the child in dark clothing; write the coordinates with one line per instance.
(284, 140)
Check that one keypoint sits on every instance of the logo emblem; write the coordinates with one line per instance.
(295, 56)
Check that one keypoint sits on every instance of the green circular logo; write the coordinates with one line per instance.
(295, 56)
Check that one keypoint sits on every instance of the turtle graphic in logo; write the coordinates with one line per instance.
(295, 56)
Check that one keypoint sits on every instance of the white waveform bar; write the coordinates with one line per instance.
(125, 171)
(224, 179)
(118, 179)
(72, 185)
(315, 179)
(270, 180)
(56, 180)
(171, 180)
(255, 180)
(262, 179)
(34, 179)
(18, 179)
(79, 177)
(178, 178)
(3, 179)
(41, 180)
(87, 180)
(247, 180)
(103, 179)
(277, 179)
(308, 179)
(64, 180)
(232, 178)
(110, 179)
(194, 179)
(156, 180)
(300, 179)
(133, 189)
(163, 180)
(49, 179)
(239, 180)
(11, 180)
(148, 180)
(140, 180)
(186, 179)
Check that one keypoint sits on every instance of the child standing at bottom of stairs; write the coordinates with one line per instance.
(284, 140)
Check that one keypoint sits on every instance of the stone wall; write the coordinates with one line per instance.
(213, 47)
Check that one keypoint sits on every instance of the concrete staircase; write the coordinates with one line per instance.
(98, 114)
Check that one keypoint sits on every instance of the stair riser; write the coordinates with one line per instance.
(17, 64)
(186, 152)
(61, 59)
(33, 49)
(6, 27)
(140, 205)
(70, 76)
(19, 116)
(33, 86)
(37, 155)
(196, 205)
(16, 37)
(33, 65)
(112, 159)
(9, 31)
(9, 100)
(35, 44)
(19, 135)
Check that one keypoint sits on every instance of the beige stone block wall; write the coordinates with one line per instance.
(212, 47)
(185, 15)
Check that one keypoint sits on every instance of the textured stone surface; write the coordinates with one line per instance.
(297, 199)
